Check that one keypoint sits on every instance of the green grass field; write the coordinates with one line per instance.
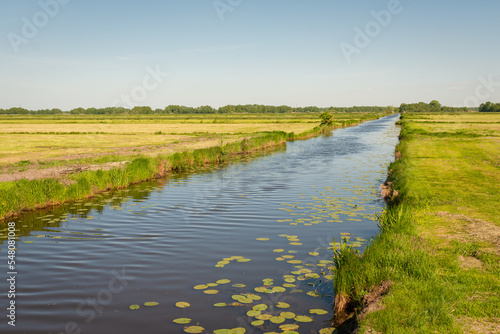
(440, 240)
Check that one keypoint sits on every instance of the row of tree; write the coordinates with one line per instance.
(489, 107)
(176, 109)
(433, 106)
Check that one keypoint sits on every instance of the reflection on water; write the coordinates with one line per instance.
(246, 245)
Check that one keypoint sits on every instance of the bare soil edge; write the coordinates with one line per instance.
(350, 316)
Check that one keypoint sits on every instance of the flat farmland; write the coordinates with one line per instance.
(53, 140)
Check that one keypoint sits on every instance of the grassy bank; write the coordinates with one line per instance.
(439, 238)
(25, 195)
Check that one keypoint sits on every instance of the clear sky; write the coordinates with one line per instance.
(87, 53)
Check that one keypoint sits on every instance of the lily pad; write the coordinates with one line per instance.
(257, 323)
(253, 313)
(303, 318)
(282, 305)
(221, 331)
(220, 304)
(260, 307)
(318, 311)
(264, 316)
(313, 294)
(262, 239)
(182, 304)
(134, 307)
(294, 261)
(289, 327)
(200, 287)
(194, 329)
(211, 292)
(277, 320)
(279, 250)
(244, 260)
(151, 303)
(278, 289)
(287, 315)
(237, 330)
(212, 284)
(182, 321)
(239, 285)
(223, 281)
(313, 253)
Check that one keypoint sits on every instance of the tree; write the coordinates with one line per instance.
(326, 118)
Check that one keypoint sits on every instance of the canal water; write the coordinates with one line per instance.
(246, 246)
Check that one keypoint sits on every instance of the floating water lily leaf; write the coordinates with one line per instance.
(221, 331)
(260, 307)
(288, 256)
(212, 284)
(292, 251)
(253, 296)
(289, 280)
(261, 289)
(151, 303)
(287, 315)
(194, 329)
(288, 285)
(237, 330)
(326, 330)
(303, 318)
(237, 257)
(294, 261)
(257, 323)
(223, 281)
(318, 311)
(282, 305)
(262, 239)
(278, 289)
(277, 320)
(280, 259)
(289, 327)
(264, 316)
(295, 243)
(200, 287)
(313, 253)
(182, 304)
(182, 321)
(239, 285)
(313, 294)
(253, 313)
(244, 260)
(211, 292)
(279, 250)
(325, 261)
(220, 304)
(134, 307)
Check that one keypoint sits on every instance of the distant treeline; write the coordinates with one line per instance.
(175, 109)
(489, 107)
(433, 106)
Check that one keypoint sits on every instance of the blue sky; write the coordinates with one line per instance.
(90, 53)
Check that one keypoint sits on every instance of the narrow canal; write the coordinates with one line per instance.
(246, 245)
